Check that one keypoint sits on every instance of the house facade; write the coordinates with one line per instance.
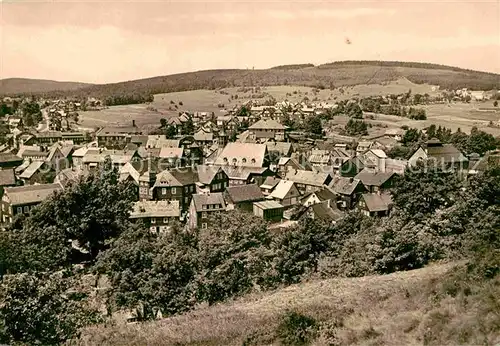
(202, 207)
(21, 199)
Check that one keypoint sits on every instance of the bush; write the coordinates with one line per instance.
(297, 329)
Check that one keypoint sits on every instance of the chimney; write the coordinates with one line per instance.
(133, 122)
(351, 179)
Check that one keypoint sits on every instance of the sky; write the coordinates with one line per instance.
(112, 41)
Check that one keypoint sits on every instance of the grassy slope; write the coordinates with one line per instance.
(11, 86)
(379, 310)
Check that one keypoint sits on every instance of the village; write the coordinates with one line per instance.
(252, 158)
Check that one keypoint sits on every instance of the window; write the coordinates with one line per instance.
(26, 209)
(186, 200)
(186, 189)
(204, 207)
(204, 225)
(253, 160)
(174, 191)
(153, 220)
(3, 207)
(244, 160)
(19, 210)
(163, 191)
(204, 215)
(165, 220)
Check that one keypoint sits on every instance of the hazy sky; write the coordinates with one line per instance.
(110, 41)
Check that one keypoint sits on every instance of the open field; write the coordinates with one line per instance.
(452, 116)
(394, 309)
(120, 116)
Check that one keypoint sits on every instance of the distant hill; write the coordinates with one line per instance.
(332, 75)
(11, 86)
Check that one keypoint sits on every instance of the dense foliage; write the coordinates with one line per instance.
(436, 216)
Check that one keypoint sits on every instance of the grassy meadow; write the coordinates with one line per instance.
(168, 105)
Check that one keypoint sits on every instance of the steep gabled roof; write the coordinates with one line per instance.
(268, 124)
(7, 177)
(244, 193)
(200, 200)
(32, 169)
(207, 173)
(446, 152)
(307, 177)
(372, 178)
(30, 193)
(324, 211)
(344, 185)
(377, 202)
(282, 189)
(242, 154)
(270, 183)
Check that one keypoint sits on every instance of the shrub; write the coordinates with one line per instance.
(297, 329)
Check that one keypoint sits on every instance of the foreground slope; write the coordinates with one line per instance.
(11, 86)
(401, 308)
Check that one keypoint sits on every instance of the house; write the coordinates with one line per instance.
(49, 137)
(56, 159)
(75, 137)
(247, 175)
(396, 166)
(375, 159)
(325, 211)
(31, 153)
(242, 197)
(68, 176)
(204, 138)
(176, 184)
(211, 179)
(348, 191)
(116, 137)
(34, 173)
(21, 199)
(489, 160)
(396, 134)
(237, 154)
(269, 185)
(268, 210)
(444, 155)
(352, 167)
(325, 194)
(286, 164)
(363, 147)
(8, 160)
(202, 205)
(77, 156)
(286, 193)
(265, 129)
(158, 216)
(172, 155)
(161, 141)
(375, 204)
(7, 179)
(277, 150)
(308, 181)
(96, 156)
(320, 159)
(375, 181)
